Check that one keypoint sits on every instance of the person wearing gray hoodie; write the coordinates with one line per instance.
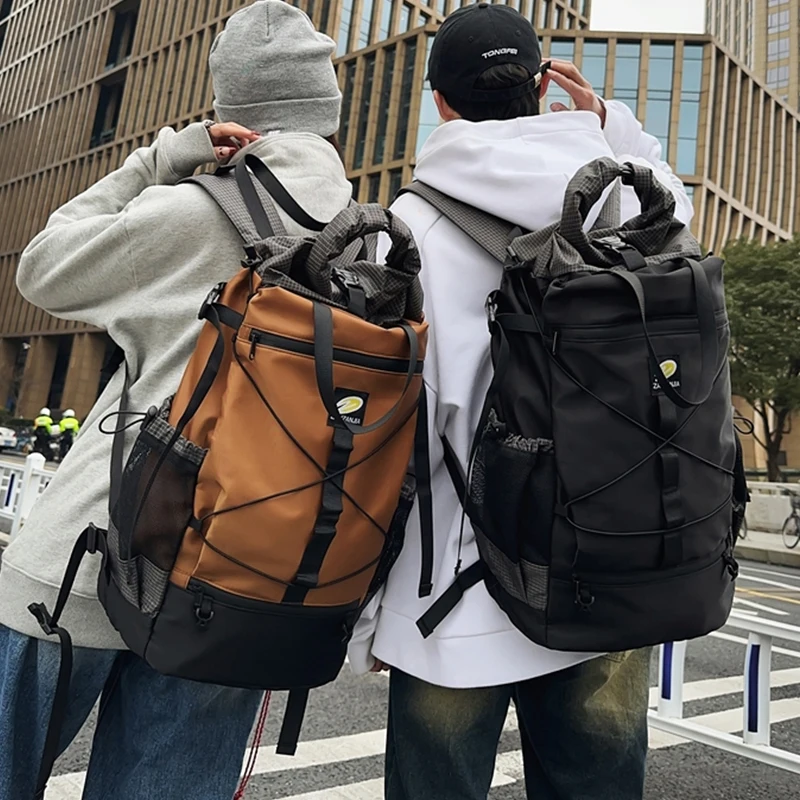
(136, 255)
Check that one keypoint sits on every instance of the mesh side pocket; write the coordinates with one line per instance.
(155, 505)
(512, 492)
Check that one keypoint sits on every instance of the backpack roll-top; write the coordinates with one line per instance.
(263, 505)
(601, 480)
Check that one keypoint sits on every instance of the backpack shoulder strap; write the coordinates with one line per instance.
(226, 193)
(491, 233)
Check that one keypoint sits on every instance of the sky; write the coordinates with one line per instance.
(673, 16)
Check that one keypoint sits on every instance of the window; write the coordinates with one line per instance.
(778, 49)
(384, 7)
(563, 50)
(126, 16)
(374, 193)
(356, 188)
(544, 14)
(405, 18)
(395, 183)
(344, 27)
(366, 24)
(406, 89)
(659, 93)
(595, 58)
(690, 192)
(383, 109)
(626, 75)
(778, 22)
(5, 10)
(106, 117)
(363, 114)
(347, 100)
(428, 113)
(514, 4)
(777, 76)
(689, 116)
(440, 6)
(773, 3)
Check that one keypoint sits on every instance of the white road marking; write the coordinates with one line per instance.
(740, 601)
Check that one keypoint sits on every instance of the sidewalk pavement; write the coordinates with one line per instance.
(767, 548)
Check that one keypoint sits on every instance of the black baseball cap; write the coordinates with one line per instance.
(476, 38)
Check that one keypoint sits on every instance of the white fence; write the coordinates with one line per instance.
(755, 741)
(770, 505)
(20, 487)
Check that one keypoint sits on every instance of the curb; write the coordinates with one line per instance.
(778, 558)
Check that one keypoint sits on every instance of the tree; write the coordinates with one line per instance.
(763, 294)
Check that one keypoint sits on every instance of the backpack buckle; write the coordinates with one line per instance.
(348, 278)
(212, 297)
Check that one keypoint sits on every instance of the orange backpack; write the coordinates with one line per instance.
(263, 505)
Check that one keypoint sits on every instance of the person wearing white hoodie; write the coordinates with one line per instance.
(582, 716)
(136, 255)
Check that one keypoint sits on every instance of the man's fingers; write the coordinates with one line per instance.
(569, 70)
(556, 107)
(227, 130)
(544, 85)
(224, 153)
(580, 94)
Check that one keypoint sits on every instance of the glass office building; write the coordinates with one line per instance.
(81, 88)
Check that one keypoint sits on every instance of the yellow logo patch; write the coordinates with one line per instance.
(350, 405)
(669, 368)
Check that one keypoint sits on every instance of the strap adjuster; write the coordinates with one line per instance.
(213, 296)
(39, 610)
(92, 535)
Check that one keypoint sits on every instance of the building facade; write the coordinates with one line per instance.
(765, 36)
(82, 88)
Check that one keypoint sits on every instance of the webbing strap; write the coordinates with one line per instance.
(422, 472)
(434, 616)
(292, 722)
(671, 498)
(90, 541)
(327, 518)
(709, 345)
(224, 190)
(489, 232)
(323, 364)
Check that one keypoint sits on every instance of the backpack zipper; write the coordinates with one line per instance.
(582, 583)
(277, 342)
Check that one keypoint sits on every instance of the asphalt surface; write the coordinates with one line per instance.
(338, 766)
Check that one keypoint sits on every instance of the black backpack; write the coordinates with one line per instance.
(605, 484)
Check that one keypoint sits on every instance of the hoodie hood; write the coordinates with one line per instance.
(517, 169)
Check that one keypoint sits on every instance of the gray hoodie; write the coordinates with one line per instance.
(136, 254)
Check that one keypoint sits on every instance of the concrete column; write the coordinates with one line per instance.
(38, 375)
(83, 373)
(8, 362)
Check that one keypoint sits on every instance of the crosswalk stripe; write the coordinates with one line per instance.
(740, 601)
(729, 637)
(714, 687)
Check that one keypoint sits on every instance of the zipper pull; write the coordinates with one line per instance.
(555, 341)
(203, 609)
(253, 343)
(732, 564)
(584, 598)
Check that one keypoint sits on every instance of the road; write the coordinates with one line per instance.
(341, 757)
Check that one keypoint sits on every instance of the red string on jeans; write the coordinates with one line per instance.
(251, 761)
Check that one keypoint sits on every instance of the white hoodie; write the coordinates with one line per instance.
(517, 170)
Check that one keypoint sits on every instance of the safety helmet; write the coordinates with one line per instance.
(45, 412)
(69, 413)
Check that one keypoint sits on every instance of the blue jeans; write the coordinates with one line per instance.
(583, 731)
(157, 738)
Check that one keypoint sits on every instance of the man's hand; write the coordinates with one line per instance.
(379, 666)
(566, 75)
(228, 138)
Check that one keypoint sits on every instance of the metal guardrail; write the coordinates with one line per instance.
(755, 743)
(20, 487)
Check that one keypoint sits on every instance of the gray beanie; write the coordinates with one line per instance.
(272, 71)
